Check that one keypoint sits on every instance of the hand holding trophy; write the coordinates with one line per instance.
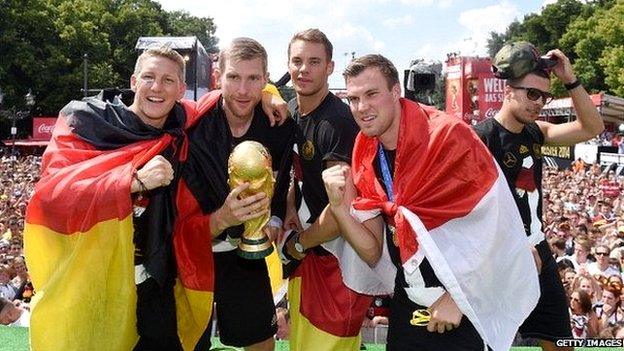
(250, 162)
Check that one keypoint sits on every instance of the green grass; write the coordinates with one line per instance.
(16, 339)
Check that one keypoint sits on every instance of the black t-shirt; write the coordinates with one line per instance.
(429, 277)
(210, 145)
(326, 134)
(520, 158)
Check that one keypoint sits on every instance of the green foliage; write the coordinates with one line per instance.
(590, 33)
(181, 23)
(43, 43)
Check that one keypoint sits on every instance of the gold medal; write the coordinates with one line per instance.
(395, 238)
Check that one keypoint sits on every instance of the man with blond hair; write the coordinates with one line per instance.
(102, 220)
(101, 217)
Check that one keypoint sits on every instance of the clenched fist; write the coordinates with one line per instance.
(155, 173)
(339, 186)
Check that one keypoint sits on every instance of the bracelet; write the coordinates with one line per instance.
(141, 184)
(572, 85)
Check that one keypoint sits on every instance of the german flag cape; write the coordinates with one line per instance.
(205, 173)
(453, 206)
(325, 314)
(79, 229)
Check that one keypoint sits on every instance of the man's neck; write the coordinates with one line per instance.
(238, 125)
(309, 103)
(507, 120)
(156, 123)
(390, 138)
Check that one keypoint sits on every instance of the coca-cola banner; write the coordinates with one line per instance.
(491, 95)
(43, 127)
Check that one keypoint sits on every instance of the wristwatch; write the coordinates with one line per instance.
(298, 245)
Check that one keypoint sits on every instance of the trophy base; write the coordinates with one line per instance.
(254, 249)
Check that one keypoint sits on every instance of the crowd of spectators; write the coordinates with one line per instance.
(583, 221)
(584, 225)
(18, 176)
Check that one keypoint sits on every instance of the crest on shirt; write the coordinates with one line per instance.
(523, 149)
(307, 150)
(509, 160)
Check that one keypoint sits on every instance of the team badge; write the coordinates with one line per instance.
(509, 160)
(537, 150)
(523, 149)
(307, 150)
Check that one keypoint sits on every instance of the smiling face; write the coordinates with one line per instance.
(375, 106)
(522, 109)
(241, 85)
(157, 85)
(309, 67)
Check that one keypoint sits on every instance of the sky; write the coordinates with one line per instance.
(401, 30)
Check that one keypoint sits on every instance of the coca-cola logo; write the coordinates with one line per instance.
(45, 128)
(491, 112)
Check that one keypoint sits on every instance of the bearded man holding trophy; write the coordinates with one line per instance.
(240, 165)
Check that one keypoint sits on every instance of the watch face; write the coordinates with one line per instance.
(299, 247)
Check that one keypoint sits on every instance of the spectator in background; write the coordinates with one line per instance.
(609, 186)
(610, 311)
(583, 320)
(14, 315)
(6, 289)
(602, 267)
(582, 248)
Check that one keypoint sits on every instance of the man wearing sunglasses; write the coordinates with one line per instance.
(515, 137)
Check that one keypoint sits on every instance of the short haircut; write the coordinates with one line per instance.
(538, 72)
(384, 66)
(165, 52)
(243, 49)
(313, 35)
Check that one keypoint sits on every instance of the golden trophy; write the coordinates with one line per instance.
(251, 162)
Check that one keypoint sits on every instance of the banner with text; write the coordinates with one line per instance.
(43, 127)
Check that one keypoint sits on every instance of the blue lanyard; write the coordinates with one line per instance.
(385, 173)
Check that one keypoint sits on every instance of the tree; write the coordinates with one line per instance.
(43, 42)
(572, 26)
(599, 43)
(181, 23)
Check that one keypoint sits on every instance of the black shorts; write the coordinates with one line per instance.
(402, 336)
(156, 317)
(245, 308)
(550, 320)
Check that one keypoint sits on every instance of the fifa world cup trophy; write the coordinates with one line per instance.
(250, 162)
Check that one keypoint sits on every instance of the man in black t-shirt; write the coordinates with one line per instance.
(515, 137)
(326, 132)
(245, 309)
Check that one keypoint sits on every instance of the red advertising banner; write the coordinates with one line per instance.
(454, 92)
(43, 127)
(491, 95)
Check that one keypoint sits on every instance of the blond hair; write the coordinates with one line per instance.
(243, 49)
(313, 35)
(165, 52)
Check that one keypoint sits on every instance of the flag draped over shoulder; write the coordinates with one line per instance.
(325, 314)
(79, 229)
(452, 202)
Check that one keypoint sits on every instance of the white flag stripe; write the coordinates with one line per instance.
(484, 261)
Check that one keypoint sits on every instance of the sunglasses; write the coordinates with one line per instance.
(534, 94)
(576, 299)
(601, 254)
